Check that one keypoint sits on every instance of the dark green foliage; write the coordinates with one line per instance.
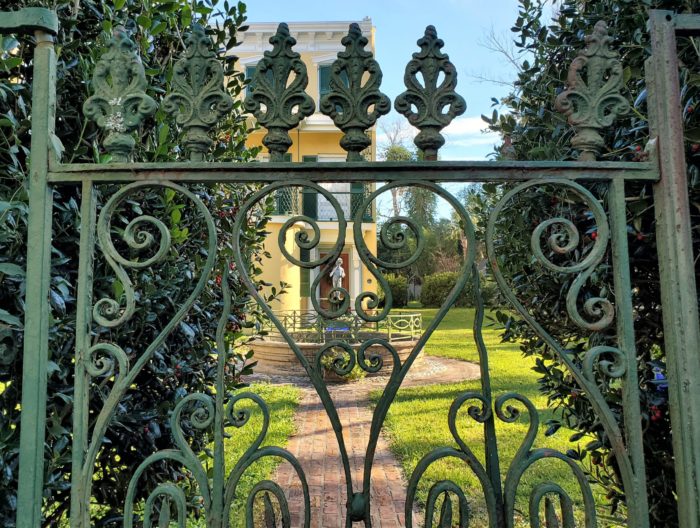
(399, 289)
(532, 130)
(437, 287)
(420, 205)
(185, 363)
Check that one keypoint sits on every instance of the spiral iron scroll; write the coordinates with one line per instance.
(108, 361)
(216, 414)
(604, 361)
(104, 358)
(344, 357)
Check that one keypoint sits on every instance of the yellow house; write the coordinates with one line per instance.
(316, 140)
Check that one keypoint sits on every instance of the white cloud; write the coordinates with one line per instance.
(465, 125)
(468, 133)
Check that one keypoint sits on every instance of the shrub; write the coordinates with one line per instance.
(398, 284)
(437, 287)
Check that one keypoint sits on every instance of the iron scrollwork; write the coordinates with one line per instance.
(343, 357)
(103, 358)
(167, 502)
(499, 493)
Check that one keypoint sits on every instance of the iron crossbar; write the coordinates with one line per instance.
(444, 171)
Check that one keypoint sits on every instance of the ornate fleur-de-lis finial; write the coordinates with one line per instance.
(119, 103)
(430, 99)
(285, 103)
(349, 100)
(593, 103)
(198, 100)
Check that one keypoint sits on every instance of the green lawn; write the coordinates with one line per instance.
(417, 421)
(282, 401)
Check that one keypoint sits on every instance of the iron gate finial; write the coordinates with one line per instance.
(198, 99)
(120, 102)
(354, 105)
(430, 98)
(594, 103)
(272, 98)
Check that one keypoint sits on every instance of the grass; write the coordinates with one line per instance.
(282, 401)
(417, 421)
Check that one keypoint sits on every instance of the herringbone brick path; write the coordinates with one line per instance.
(316, 448)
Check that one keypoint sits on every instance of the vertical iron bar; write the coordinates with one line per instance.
(80, 512)
(676, 266)
(637, 503)
(491, 455)
(36, 321)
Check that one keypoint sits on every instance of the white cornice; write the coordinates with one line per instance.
(310, 36)
(327, 57)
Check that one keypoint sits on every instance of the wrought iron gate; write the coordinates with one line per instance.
(591, 101)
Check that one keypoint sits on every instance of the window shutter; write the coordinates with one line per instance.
(357, 196)
(310, 203)
(305, 275)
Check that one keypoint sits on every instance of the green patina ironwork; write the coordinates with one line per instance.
(29, 19)
(120, 104)
(278, 100)
(355, 102)
(199, 100)
(592, 99)
(432, 96)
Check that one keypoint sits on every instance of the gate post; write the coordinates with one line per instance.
(676, 266)
(36, 320)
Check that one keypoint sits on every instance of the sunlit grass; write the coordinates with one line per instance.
(282, 401)
(417, 421)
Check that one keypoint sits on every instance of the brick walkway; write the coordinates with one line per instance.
(316, 448)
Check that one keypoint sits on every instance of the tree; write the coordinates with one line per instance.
(533, 131)
(395, 149)
(185, 363)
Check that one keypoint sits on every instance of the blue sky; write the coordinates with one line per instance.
(464, 25)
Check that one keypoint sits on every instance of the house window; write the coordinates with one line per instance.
(324, 79)
(249, 73)
(309, 159)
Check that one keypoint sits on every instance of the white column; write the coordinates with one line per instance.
(355, 276)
